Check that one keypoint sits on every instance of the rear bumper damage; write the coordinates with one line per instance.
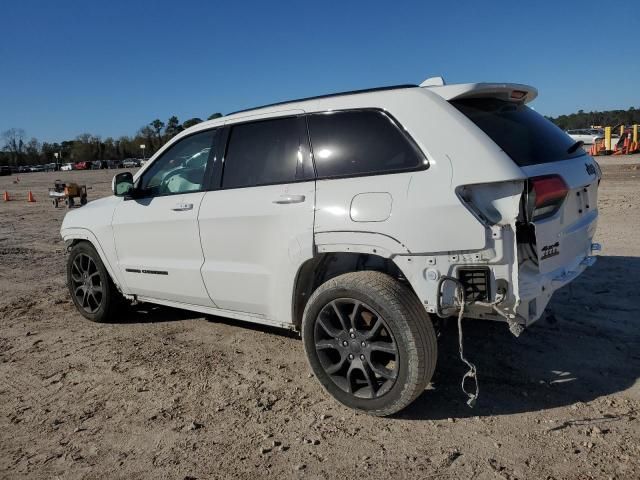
(496, 287)
(536, 289)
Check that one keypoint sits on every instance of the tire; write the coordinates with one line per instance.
(102, 301)
(400, 351)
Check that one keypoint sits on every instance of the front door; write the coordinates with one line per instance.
(156, 232)
(257, 228)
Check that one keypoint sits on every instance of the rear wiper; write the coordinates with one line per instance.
(575, 146)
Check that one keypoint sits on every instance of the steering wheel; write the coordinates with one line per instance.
(164, 185)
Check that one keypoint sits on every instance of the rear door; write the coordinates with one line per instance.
(257, 228)
(156, 233)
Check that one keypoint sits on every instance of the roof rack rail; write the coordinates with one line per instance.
(329, 95)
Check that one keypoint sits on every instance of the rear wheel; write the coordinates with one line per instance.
(369, 341)
(92, 290)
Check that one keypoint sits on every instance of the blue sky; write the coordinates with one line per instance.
(108, 68)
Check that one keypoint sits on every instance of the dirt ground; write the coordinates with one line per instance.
(170, 394)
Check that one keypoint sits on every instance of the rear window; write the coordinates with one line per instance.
(526, 136)
(360, 142)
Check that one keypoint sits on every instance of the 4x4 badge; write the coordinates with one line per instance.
(591, 169)
(550, 250)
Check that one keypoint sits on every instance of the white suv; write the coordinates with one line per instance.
(356, 218)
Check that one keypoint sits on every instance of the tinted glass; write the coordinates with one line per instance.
(263, 153)
(181, 168)
(359, 142)
(526, 136)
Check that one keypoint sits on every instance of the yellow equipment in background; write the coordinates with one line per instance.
(626, 144)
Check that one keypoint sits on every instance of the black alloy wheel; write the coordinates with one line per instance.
(356, 348)
(93, 292)
(369, 341)
(87, 287)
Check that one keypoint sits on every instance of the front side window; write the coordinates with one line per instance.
(264, 153)
(360, 142)
(181, 169)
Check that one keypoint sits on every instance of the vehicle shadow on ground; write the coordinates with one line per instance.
(256, 327)
(150, 313)
(590, 351)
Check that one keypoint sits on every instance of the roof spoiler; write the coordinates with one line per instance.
(512, 92)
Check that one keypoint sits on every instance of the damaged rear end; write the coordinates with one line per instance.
(541, 226)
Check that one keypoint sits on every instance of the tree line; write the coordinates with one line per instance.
(609, 118)
(18, 149)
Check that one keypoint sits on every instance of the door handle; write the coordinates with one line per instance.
(181, 207)
(286, 199)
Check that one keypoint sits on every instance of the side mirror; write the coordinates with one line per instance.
(122, 184)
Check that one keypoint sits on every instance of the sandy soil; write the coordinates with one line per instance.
(170, 394)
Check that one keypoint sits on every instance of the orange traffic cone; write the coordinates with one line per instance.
(6, 197)
(30, 198)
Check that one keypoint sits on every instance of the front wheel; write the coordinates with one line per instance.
(369, 341)
(92, 290)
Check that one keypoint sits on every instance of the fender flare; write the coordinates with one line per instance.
(359, 242)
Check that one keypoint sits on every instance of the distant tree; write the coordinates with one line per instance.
(83, 148)
(158, 125)
(213, 116)
(145, 137)
(13, 143)
(32, 151)
(173, 127)
(610, 118)
(191, 122)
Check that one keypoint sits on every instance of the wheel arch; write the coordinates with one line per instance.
(73, 236)
(329, 264)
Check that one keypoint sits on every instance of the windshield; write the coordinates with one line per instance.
(525, 135)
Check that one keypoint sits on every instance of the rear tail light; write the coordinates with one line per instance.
(545, 195)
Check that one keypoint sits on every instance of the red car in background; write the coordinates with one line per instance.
(81, 166)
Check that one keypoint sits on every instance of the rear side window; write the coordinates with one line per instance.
(360, 142)
(265, 152)
(525, 135)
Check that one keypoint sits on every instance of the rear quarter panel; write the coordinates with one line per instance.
(426, 214)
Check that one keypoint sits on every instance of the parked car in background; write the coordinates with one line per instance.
(587, 136)
(131, 163)
(67, 167)
(99, 165)
(5, 170)
(114, 163)
(356, 218)
(51, 167)
(37, 168)
(81, 165)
